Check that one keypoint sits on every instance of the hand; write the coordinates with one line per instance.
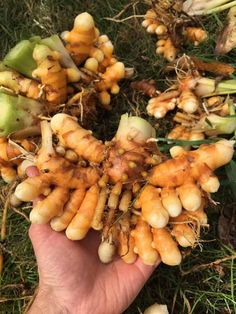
(73, 280)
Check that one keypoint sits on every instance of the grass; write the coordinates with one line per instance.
(207, 290)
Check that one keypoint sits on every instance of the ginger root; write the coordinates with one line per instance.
(160, 105)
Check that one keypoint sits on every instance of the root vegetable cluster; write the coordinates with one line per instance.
(172, 28)
(143, 204)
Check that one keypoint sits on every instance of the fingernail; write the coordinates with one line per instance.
(32, 171)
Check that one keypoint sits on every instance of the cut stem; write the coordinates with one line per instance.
(208, 87)
(46, 145)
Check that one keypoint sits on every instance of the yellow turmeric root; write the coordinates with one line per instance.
(53, 77)
(195, 34)
(61, 222)
(129, 156)
(166, 247)
(95, 53)
(197, 166)
(126, 242)
(183, 133)
(54, 170)
(172, 28)
(188, 101)
(126, 248)
(97, 223)
(49, 207)
(160, 105)
(143, 243)
(82, 38)
(134, 199)
(20, 84)
(73, 136)
(153, 211)
(151, 23)
(171, 202)
(186, 227)
(155, 25)
(10, 158)
(81, 223)
(166, 48)
(108, 81)
(106, 46)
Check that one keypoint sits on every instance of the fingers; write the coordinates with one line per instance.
(32, 171)
(38, 234)
(132, 277)
(145, 269)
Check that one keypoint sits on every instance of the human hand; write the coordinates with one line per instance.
(73, 280)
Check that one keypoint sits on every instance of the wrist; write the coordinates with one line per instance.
(47, 302)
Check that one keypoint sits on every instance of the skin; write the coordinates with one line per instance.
(73, 280)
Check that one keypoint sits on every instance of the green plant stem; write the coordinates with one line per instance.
(220, 8)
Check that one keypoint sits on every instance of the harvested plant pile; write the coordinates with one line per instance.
(172, 27)
(141, 203)
(144, 203)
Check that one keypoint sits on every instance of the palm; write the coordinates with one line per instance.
(74, 272)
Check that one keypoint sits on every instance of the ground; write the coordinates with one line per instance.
(199, 285)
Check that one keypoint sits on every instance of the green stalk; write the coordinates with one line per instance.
(185, 142)
(215, 125)
(208, 87)
(200, 7)
(17, 112)
(220, 8)
(20, 58)
(231, 110)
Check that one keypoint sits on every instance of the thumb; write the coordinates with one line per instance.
(39, 234)
(134, 276)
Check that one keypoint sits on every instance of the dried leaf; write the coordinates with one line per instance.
(147, 87)
(227, 38)
(193, 63)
